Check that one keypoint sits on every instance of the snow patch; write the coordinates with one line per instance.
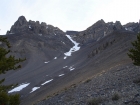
(63, 42)
(71, 68)
(65, 67)
(61, 75)
(34, 89)
(55, 58)
(19, 88)
(54, 33)
(47, 82)
(30, 27)
(129, 29)
(65, 57)
(47, 62)
(73, 49)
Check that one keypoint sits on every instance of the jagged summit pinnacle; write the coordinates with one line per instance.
(21, 21)
(41, 34)
(22, 18)
(98, 30)
(100, 22)
(34, 27)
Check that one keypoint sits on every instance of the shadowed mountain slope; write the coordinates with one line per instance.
(102, 46)
(88, 65)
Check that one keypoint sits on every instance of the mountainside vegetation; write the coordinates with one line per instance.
(134, 53)
(7, 62)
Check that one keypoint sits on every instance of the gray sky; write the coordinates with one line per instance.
(68, 14)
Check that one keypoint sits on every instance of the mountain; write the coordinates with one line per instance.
(56, 61)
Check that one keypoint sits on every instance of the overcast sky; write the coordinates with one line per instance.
(68, 14)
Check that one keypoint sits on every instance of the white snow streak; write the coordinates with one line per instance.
(34, 89)
(61, 75)
(47, 82)
(47, 62)
(71, 68)
(63, 42)
(19, 88)
(65, 57)
(65, 66)
(54, 33)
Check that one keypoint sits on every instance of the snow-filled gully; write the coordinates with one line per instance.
(73, 49)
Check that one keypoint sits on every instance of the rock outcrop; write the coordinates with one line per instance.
(101, 29)
(22, 25)
(134, 27)
(51, 36)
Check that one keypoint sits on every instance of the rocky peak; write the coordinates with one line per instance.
(40, 34)
(117, 22)
(18, 25)
(132, 26)
(97, 31)
(100, 22)
(34, 27)
(43, 24)
(21, 21)
(118, 26)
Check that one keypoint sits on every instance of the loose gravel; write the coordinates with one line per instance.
(115, 86)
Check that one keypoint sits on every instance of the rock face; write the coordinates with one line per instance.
(134, 27)
(22, 25)
(19, 26)
(51, 36)
(98, 31)
(101, 29)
